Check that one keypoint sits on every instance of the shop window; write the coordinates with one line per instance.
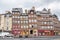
(34, 31)
(43, 34)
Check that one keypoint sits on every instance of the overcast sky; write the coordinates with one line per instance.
(54, 5)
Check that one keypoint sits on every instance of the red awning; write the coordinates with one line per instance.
(40, 30)
(45, 30)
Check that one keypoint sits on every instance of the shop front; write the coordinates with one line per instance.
(16, 32)
(24, 33)
(40, 32)
(35, 32)
(45, 32)
(56, 33)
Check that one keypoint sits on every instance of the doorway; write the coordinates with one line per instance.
(31, 31)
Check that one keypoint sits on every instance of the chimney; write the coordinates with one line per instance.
(33, 8)
(26, 11)
(48, 10)
(7, 11)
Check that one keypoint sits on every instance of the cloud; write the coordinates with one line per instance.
(54, 5)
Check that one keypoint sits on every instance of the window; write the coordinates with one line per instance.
(26, 26)
(7, 28)
(18, 21)
(44, 27)
(26, 21)
(26, 16)
(31, 12)
(7, 23)
(18, 17)
(23, 16)
(29, 15)
(15, 21)
(42, 18)
(30, 25)
(35, 20)
(13, 16)
(42, 22)
(51, 22)
(47, 27)
(21, 21)
(35, 25)
(13, 13)
(51, 27)
(32, 15)
(7, 15)
(17, 12)
(30, 20)
(45, 22)
(22, 27)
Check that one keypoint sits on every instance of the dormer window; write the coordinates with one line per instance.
(7, 15)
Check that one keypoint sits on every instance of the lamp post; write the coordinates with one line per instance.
(2, 31)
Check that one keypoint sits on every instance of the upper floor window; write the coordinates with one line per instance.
(31, 12)
(13, 16)
(18, 17)
(18, 21)
(47, 27)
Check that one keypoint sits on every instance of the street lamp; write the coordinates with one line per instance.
(2, 31)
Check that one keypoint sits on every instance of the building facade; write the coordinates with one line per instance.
(2, 22)
(35, 23)
(16, 25)
(8, 21)
(32, 23)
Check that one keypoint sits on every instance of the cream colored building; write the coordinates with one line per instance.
(2, 21)
(8, 21)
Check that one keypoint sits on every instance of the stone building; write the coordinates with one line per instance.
(32, 23)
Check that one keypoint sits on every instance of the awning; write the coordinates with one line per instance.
(40, 30)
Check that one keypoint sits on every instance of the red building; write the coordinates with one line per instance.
(16, 20)
(34, 23)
